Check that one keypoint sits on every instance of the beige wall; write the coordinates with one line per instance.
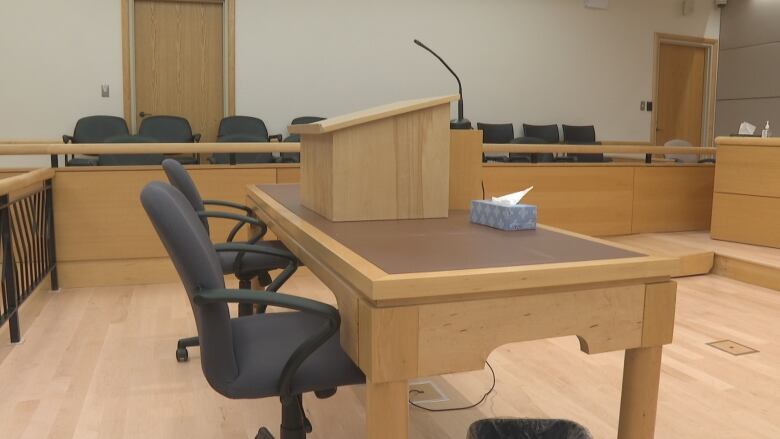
(748, 86)
(535, 61)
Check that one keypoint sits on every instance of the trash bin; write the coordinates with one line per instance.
(527, 429)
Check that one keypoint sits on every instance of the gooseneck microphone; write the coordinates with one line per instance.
(460, 123)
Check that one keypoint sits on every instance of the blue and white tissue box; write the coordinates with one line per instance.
(503, 216)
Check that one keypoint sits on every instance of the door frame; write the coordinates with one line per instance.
(710, 86)
(228, 57)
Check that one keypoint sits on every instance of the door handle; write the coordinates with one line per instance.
(144, 114)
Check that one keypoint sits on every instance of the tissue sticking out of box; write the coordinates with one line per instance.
(513, 198)
(747, 129)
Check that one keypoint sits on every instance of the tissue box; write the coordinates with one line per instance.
(502, 216)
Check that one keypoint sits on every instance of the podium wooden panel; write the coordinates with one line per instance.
(746, 203)
(388, 162)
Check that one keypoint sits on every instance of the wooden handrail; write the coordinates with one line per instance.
(17, 182)
(596, 149)
(189, 148)
(748, 141)
(145, 148)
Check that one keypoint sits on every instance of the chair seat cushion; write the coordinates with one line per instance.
(264, 342)
(253, 262)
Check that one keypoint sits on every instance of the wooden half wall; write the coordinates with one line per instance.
(103, 234)
(104, 237)
(611, 199)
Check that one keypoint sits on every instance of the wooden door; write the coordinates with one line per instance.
(179, 62)
(682, 73)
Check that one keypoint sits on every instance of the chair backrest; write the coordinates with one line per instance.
(181, 180)
(130, 159)
(222, 158)
(579, 134)
(683, 158)
(96, 129)
(548, 133)
(198, 266)
(303, 120)
(496, 132)
(166, 129)
(244, 126)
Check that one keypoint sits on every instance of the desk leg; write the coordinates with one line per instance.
(387, 410)
(639, 400)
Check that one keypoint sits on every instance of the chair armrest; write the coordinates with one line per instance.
(241, 219)
(278, 137)
(66, 138)
(196, 138)
(224, 203)
(330, 315)
(243, 248)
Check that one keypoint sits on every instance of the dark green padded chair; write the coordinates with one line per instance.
(583, 135)
(170, 129)
(130, 159)
(243, 129)
(500, 133)
(94, 129)
(283, 354)
(294, 157)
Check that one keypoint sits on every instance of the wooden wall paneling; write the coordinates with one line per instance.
(746, 219)
(594, 200)
(750, 170)
(672, 198)
(100, 220)
(465, 168)
(288, 175)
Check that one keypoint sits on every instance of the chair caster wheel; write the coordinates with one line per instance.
(264, 434)
(181, 355)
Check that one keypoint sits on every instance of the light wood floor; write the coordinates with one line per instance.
(99, 363)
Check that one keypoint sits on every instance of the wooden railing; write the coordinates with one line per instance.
(27, 244)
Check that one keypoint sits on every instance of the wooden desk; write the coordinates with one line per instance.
(746, 203)
(434, 296)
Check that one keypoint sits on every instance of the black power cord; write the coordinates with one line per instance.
(453, 409)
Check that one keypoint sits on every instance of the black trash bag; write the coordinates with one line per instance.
(527, 429)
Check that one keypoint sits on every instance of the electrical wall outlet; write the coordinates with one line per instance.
(642, 106)
(104, 91)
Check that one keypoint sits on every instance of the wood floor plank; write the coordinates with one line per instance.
(99, 363)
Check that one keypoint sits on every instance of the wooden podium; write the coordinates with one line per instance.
(384, 163)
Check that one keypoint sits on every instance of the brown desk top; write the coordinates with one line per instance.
(446, 244)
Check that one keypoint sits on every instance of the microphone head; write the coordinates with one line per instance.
(417, 42)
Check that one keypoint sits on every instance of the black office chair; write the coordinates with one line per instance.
(583, 135)
(244, 266)
(294, 157)
(498, 133)
(243, 129)
(547, 133)
(170, 129)
(537, 157)
(94, 129)
(283, 354)
(130, 159)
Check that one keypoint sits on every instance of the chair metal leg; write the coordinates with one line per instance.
(294, 421)
(182, 345)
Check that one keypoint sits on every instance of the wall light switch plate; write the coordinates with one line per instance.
(642, 106)
(104, 91)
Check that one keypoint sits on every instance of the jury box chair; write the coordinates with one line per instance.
(583, 135)
(268, 255)
(295, 157)
(243, 129)
(499, 133)
(94, 129)
(283, 354)
(170, 129)
(130, 159)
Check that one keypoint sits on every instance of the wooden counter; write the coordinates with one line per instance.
(746, 203)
